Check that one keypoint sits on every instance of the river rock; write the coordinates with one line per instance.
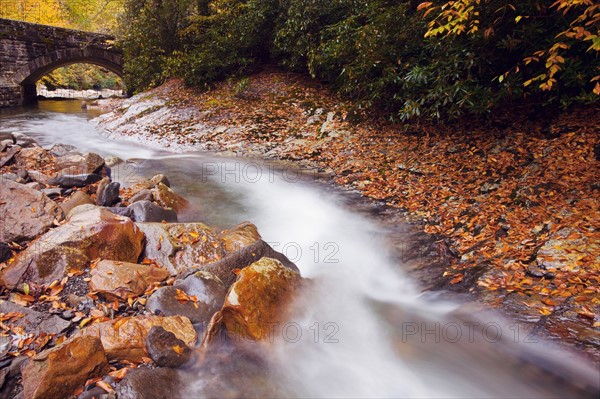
(179, 246)
(60, 150)
(77, 164)
(70, 180)
(109, 195)
(9, 157)
(125, 339)
(122, 279)
(97, 233)
(26, 213)
(34, 322)
(35, 185)
(8, 176)
(259, 299)
(562, 251)
(144, 383)
(53, 192)
(111, 161)
(205, 287)
(7, 136)
(56, 373)
(146, 211)
(24, 140)
(224, 268)
(78, 198)
(38, 176)
(167, 198)
(143, 195)
(240, 236)
(33, 158)
(165, 349)
(160, 179)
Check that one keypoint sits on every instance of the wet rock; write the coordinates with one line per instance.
(96, 233)
(160, 179)
(35, 186)
(125, 339)
(35, 322)
(93, 393)
(78, 198)
(60, 150)
(224, 268)
(146, 211)
(259, 299)
(207, 289)
(109, 195)
(5, 252)
(146, 383)
(165, 349)
(122, 279)
(111, 161)
(563, 251)
(240, 236)
(81, 209)
(33, 158)
(179, 246)
(58, 372)
(8, 176)
(9, 157)
(101, 186)
(24, 140)
(143, 195)
(38, 176)
(167, 198)
(26, 212)
(71, 180)
(85, 164)
(53, 192)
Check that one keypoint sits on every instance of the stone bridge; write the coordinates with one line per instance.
(30, 51)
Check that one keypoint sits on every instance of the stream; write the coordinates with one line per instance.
(367, 329)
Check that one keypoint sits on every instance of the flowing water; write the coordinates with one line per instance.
(366, 330)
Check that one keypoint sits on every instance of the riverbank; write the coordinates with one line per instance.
(510, 206)
(103, 291)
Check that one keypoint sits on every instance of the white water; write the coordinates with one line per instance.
(361, 329)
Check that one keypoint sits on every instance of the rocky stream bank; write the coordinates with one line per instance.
(104, 293)
(507, 210)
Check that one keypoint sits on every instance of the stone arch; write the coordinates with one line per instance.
(27, 75)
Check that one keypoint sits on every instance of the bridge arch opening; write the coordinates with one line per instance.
(28, 75)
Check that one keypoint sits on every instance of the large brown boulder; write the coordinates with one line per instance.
(259, 300)
(96, 233)
(240, 236)
(26, 213)
(179, 246)
(125, 339)
(167, 198)
(56, 373)
(116, 279)
(76, 164)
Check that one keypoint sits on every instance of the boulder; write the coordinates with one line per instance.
(144, 383)
(33, 158)
(87, 163)
(167, 198)
(143, 195)
(179, 246)
(9, 157)
(101, 186)
(7, 136)
(122, 279)
(207, 295)
(165, 349)
(53, 192)
(259, 300)
(109, 195)
(67, 180)
(146, 211)
(96, 233)
(240, 236)
(56, 373)
(24, 140)
(59, 150)
(78, 198)
(34, 322)
(26, 213)
(125, 339)
(160, 178)
(111, 161)
(38, 176)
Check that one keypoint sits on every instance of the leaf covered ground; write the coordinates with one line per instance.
(513, 200)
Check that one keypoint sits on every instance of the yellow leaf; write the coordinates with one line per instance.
(178, 349)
